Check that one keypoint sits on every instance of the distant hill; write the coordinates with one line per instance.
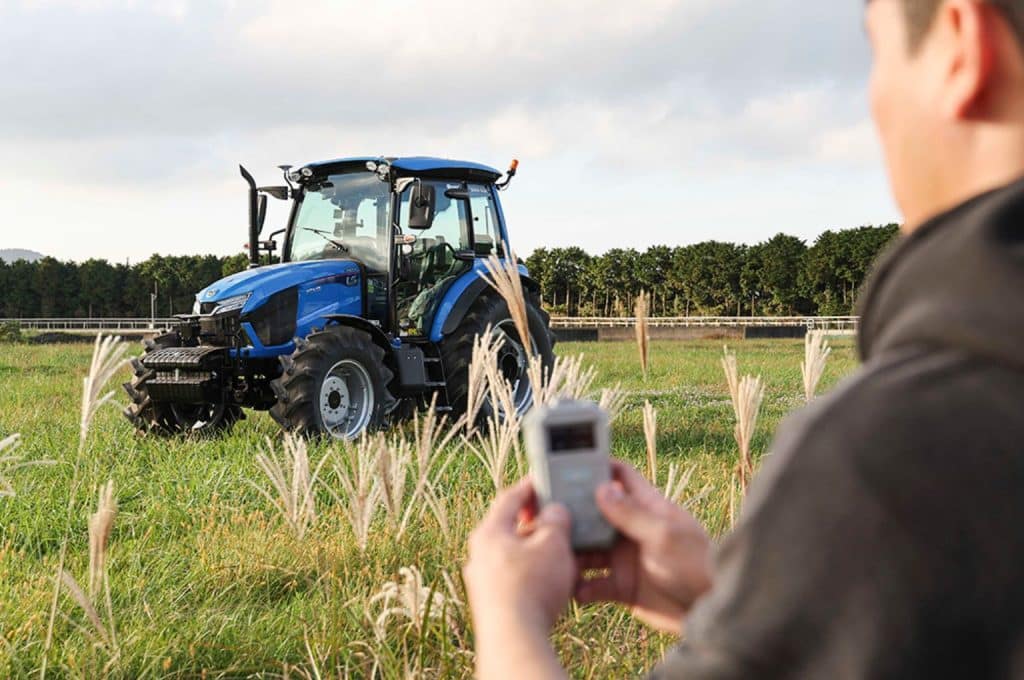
(15, 254)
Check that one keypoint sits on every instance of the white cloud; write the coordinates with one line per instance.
(136, 113)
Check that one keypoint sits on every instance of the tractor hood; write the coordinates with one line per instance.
(263, 282)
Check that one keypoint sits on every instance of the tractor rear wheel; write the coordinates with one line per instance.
(335, 383)
(457, 351)
(166, 418)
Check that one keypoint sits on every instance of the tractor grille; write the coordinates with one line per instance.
(274, 321)
(183, 358)
(223, 330)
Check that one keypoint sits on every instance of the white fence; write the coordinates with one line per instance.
(828, 323)
(79, 325)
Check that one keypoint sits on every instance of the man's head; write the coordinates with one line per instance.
(947, 95)
(920, 14)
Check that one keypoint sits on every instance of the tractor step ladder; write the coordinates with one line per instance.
(437, 380)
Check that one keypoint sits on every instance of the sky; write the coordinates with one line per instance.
(122, 122)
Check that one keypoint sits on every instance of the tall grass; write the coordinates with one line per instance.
(9, 464)
(355, 467)
(204, 583)
(643, 336)
(678, 481)
(816, 351)
(432, 442)
(411, 600)
(108, 358)
(101, 525)
(746, 394)
(292, 481)
(498, 442)
(613, 401)
(651, 439)
(504, 278)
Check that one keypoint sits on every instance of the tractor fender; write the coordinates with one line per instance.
(461, 296)
(379, 337)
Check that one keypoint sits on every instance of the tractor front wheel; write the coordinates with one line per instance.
(335, 383)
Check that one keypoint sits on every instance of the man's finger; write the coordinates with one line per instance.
(555, 514)
(636, 484)
(623, 511)
(553, 519)
(504, 512)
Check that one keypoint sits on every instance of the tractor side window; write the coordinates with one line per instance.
(486, 234)
(432, 258)
(451, 220)
(450, 228)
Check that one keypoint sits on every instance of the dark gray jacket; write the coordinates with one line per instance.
(884, 536)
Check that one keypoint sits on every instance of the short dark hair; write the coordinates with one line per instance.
(921, 13)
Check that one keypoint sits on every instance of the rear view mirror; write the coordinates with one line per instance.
(421, 206)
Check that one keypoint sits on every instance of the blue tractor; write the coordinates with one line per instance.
(370, 313)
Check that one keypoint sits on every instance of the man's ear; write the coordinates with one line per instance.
(965, 32)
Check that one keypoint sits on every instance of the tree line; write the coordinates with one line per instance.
(49, 288)
(781, 276)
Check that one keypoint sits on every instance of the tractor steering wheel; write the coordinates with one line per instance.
(431, 258)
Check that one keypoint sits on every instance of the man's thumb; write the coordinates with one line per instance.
(554, 515)
(623, 512)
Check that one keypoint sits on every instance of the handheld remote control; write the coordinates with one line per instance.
(567, 445)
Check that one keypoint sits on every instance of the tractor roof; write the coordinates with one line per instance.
(415, 165)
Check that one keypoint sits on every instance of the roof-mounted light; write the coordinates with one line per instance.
(381, 167)
(512, 168)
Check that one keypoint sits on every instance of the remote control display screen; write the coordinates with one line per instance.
(571, 437)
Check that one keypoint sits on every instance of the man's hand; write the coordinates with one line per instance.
(519, 579)
(660, 566)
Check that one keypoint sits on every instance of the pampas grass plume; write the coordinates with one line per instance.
(816, 351)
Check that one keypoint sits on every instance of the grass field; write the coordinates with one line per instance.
(206, 580)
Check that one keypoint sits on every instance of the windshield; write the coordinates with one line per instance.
(343, 216)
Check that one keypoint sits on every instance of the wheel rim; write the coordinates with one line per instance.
(346, 399)
(194, 418)
(513, 362)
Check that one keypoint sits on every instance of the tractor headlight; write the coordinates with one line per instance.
(197, 308)
(231, 304)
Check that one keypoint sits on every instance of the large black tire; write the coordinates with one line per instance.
(319, 390)
(457, 349)
(168, 419)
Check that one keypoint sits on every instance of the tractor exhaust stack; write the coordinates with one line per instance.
(255, 219)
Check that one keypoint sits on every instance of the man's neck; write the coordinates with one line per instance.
(993, 158)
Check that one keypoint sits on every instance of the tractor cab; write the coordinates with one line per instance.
(413, 225)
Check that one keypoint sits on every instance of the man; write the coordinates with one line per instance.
(884, 538)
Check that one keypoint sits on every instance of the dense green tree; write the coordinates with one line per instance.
(708, 276)
(770, 276)
(655, 267)
(779, 276)
(836, 266)
(564, 276)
